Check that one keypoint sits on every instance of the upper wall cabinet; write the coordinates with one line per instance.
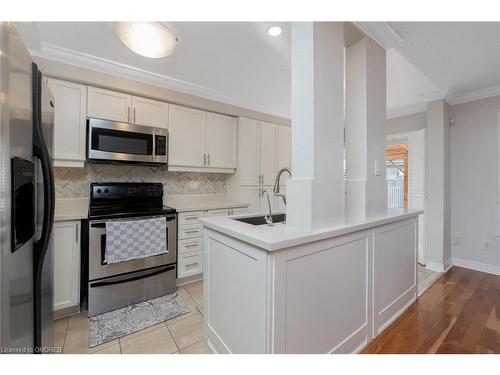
(220, 140)
(69, 122)
(201, 141)
(186, 137)
(108, 105)
(149, 112)
(284, 151)
(118, 106)
(257, 152)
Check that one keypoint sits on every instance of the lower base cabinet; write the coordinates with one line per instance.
(190, 244)
(66, 237)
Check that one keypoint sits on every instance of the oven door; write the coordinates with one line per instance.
(119, 141)
(98, 268)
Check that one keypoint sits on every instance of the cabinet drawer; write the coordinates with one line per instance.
(189, 231)
(189, 264)
(190, 217)
(189, 245)
(219, 212)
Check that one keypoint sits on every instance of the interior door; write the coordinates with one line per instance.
(220, 141)
(149, 112)
(248, 151)
(186, 136)
(268, 152)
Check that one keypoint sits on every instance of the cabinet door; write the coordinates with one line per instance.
(108, 105)
(248, 151)
(268, 152)
(66, 264)
(149, 112)
(251, 194)
(284, 151)
(186, 136)
(220, 142)
(69, 122)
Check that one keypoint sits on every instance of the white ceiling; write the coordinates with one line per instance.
(238, 63)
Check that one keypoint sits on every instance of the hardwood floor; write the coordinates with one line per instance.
(460, 313)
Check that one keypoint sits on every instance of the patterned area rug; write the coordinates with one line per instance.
(118, 323)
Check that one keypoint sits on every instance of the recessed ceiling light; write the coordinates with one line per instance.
(274, 30)
(148, 39)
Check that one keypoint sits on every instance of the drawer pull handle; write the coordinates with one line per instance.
(191, 265)
(191, 217)
(192, 245)
(191, 231)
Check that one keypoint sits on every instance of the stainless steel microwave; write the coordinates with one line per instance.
(123, 142)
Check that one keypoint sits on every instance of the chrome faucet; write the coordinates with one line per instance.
(276, 188)
(268, 217)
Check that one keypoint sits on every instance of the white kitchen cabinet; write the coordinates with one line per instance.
(201, 141)
(186, 137)
(66, 237)
(108, 104)
(149, 112)
(284, 151)
(268, 152)
(220, 141)
(248, 151)
(69, 122)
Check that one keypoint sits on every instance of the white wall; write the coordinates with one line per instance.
(414, 121)
(474, 194)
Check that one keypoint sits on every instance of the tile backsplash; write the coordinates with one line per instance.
(74, 182)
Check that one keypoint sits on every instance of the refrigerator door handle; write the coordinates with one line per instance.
(40, 246)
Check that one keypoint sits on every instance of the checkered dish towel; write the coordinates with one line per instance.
(134, 239)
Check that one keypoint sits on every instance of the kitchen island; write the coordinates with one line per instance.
(276, 289)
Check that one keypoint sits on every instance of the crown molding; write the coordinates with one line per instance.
(381, 32)
(475, 95)
(407, 110)
(83, 60)
(435, 95)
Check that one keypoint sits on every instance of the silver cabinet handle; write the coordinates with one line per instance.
(191, 217)
(134, 114)
(204, 159)
(191, 265)
(208, 159)
(76, 233)
(194, 244)
(191, 231)
(128, 114)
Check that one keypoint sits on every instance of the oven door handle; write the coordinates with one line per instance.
(129, 279)
(103, 224)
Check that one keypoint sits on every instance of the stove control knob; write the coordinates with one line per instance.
(106, 191)
(99, 191)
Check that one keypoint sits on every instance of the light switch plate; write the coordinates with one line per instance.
(377, 168)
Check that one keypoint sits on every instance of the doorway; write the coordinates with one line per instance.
(396, 163)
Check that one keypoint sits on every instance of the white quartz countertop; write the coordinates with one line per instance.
(199, 202)
(280, 236)
(71, 209)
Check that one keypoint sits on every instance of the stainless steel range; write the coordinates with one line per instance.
(115, 285)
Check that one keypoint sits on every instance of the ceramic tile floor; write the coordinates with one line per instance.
(181, 335)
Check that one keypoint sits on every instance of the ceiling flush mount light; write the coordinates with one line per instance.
(274, 30)
(148, 39)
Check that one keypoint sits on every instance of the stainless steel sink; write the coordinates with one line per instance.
(260, 220)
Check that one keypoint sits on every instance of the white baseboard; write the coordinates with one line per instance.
(447, 265)
(476, 266)
(434, 266)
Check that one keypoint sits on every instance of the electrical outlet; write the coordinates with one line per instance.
(487, 245)
(194, 185)
(457, 241)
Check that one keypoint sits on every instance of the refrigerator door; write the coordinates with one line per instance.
(43, 120)
(47, 298)
(16, 269)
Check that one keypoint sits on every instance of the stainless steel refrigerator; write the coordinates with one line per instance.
(26, 200)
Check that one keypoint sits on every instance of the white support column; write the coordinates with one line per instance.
(315, 193)
(437, 180)
(366, 185)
